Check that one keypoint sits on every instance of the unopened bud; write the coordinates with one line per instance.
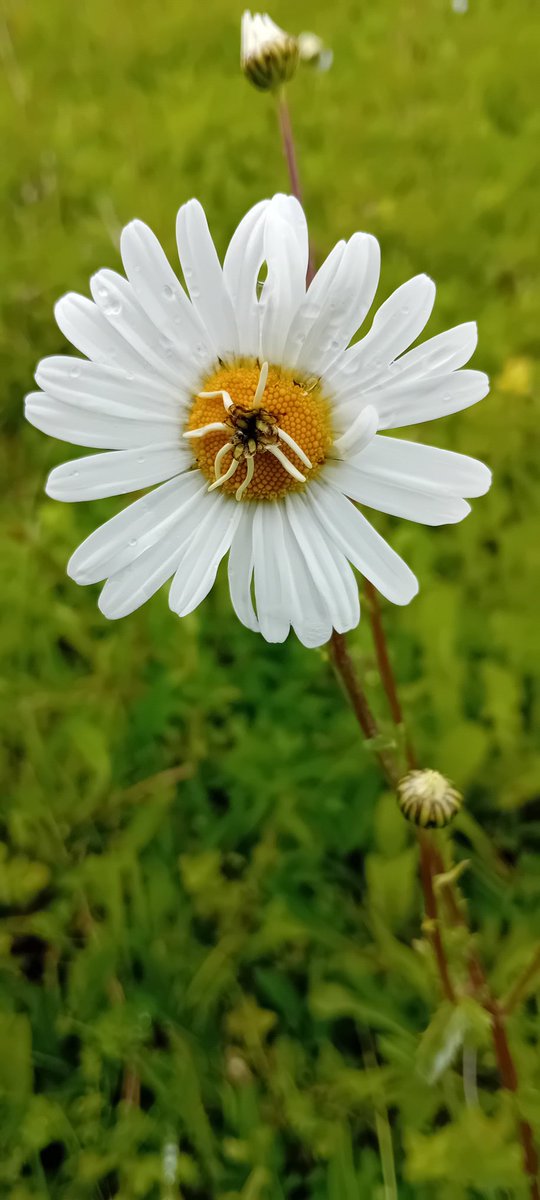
(428, 799)
(268, 55)
(313, 52)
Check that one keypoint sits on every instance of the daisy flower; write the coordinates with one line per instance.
(262, 425)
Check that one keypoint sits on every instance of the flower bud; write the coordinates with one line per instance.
(313, 52)
(428, 799)
(268, 55)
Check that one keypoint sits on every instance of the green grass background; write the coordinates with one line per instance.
(203, 883)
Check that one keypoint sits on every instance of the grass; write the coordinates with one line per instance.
(213, 977)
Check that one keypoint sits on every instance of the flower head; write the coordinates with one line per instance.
(262, 427)
(268, 55)
(428, 799)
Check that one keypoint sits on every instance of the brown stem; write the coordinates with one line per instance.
(289, 149)
(431, 865)
(384, 664)
(509, 1080)
(427, 874)
(344, 666)
(503, 1054)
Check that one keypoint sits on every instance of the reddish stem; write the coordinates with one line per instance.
(427, 873)
(359, 703)
(289, 149)
(384, 664)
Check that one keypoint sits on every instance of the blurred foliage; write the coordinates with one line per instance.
(213, 977)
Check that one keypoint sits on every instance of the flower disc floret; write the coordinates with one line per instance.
(290, 406)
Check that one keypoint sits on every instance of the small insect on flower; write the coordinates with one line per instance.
(262, 427)
(268, 55)
(427, 799)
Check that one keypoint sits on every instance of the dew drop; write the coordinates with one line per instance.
(75, 372)
(168, 292)
(113, 308)
(405, 312)
(133, 541)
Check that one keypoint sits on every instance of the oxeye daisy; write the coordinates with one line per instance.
(262, 425)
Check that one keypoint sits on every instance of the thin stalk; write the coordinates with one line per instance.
(384, 664)
(427, 874)
(289, 150)
(344, 666)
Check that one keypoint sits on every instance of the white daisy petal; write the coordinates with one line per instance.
(341, 296)
(285, 588)
(108, 389)
(131, 532)
(240, 570)
(438, 356)
(309, 614)
(125, 592)
(162, 297)
(115, 473)
(241, 269)
(204, 278)
(87, 329)
(410, 463)
(311, 307)
(284, 286)
(136, 582)
(291, 211)
(273, 616)
(331, 573)
(116, 299)
(409, 402)
(85, 427)
(363, 546)
(396, 324)
(359, 434)
(197, 571)
(397, 499)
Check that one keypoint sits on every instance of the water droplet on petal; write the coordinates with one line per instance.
(75, 372)
(168, 292)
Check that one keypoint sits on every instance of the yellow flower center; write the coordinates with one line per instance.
(259, 432)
